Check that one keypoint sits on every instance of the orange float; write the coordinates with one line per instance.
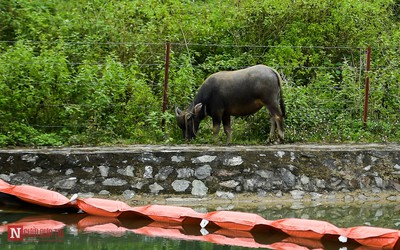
(236, 220)
(310, 229)
(170, 214)
(102, 207)
(35, 195)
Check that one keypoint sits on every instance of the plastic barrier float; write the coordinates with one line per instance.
(220, 227)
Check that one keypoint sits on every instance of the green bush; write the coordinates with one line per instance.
(75, 72)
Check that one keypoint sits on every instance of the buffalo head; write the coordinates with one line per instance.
(189, 120)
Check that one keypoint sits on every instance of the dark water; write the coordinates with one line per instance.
(73, 234)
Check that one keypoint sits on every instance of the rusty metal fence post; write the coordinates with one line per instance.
(165, 96)
(367, 87)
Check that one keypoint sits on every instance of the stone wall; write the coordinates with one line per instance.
(203, 170)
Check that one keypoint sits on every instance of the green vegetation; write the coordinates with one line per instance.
(91, 72)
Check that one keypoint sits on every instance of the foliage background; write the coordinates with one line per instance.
(91, 72)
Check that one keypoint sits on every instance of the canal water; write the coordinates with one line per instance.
(80, 231)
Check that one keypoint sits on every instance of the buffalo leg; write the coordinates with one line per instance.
(272, 130)
(216, 127)
(226, 121)
(279, 123)
(276, 122)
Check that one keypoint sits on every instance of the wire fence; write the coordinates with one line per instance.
(324, 81)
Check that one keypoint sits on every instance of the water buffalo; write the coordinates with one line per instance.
(238, 93)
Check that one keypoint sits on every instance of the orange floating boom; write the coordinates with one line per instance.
(381, 238)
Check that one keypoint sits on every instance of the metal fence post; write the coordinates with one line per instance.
(165, 96)
(367, 86)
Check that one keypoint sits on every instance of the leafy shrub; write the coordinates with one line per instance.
(74, 72)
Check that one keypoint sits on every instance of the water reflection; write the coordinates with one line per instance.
(81, 231)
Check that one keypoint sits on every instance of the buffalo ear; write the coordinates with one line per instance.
(197, 108)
